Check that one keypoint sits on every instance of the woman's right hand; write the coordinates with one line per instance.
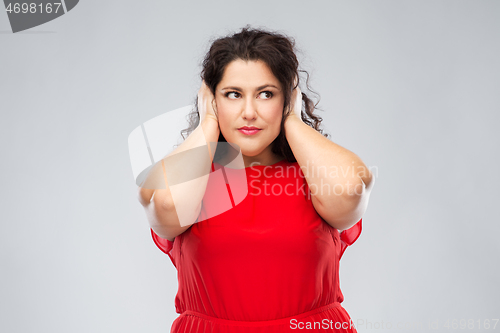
(206, 103)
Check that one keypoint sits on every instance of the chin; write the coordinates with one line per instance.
(250, 153)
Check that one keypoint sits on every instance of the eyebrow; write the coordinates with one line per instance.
(258, 88)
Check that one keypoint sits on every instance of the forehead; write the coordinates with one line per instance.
(248, 74)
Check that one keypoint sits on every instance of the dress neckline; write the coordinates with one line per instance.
(283, 161)
(270, 165)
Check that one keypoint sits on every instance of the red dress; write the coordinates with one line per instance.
(268, 264)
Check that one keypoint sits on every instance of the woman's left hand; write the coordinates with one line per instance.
(296, 103)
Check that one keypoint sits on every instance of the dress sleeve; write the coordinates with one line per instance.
(349, 236)
(165, 245)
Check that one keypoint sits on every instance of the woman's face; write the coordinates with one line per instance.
(250, 95)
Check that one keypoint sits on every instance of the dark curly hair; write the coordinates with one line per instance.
(277, 51)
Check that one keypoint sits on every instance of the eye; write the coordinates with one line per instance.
(231, 92)
(268, 92)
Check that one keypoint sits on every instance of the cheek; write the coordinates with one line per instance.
(226, 122)
(277, 108)
(277, 116)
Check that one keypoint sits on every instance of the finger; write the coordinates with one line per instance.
(297, 101)
(214, 106)
(294, 95)
(293, 98)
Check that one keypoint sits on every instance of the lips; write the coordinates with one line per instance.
(249, 130)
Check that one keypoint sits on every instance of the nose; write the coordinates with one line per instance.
(250, 109)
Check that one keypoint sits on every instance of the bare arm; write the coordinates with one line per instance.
(174, 188)
(173, 209)
(339, 181)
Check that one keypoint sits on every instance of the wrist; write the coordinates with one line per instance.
(292, 117)
(210, 128)
(209, 123)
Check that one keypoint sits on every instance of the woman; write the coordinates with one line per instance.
(268, 261)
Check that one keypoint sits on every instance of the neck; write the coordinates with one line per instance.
(249, 160)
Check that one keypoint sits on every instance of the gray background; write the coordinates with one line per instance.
(410, 86)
